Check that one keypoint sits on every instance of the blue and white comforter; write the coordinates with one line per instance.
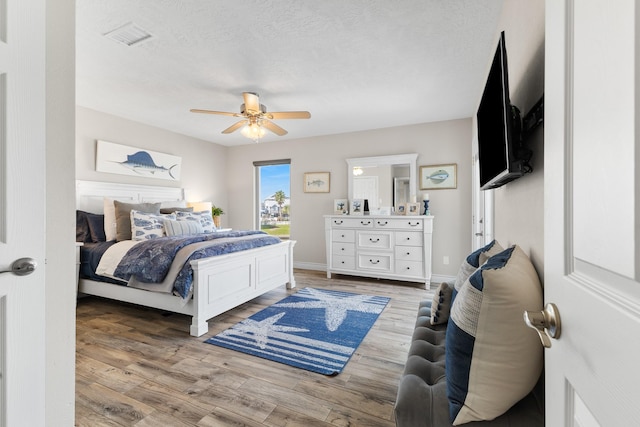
(149, 261)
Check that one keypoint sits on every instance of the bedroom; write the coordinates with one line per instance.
(506, 203)
(231, 167)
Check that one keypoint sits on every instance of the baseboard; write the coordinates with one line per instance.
(435, 278)
(439, 278)
(310, 266)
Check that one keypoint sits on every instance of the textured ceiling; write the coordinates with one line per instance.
(355, 65)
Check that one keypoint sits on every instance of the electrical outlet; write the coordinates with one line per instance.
(445, 260)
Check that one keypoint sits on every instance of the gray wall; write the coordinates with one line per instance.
(60, 286)
(204, 165)
(519, 205)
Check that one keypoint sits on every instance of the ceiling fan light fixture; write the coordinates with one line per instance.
(253, 131)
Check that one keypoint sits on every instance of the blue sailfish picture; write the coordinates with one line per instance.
(142, 163)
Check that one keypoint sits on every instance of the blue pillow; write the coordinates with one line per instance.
(475, 260)
(493, 359)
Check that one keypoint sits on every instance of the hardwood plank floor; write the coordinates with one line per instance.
(137, 366)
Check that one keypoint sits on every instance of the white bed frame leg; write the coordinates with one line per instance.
(198, 328)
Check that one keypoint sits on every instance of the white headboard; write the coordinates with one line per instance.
(90, 194)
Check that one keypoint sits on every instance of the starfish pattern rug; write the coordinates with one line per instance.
(313, 329)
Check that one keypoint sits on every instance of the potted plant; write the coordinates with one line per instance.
(215, 213)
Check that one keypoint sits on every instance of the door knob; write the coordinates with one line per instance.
(545, 322)
(22, 267)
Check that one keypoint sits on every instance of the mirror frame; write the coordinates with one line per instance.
(397, 159)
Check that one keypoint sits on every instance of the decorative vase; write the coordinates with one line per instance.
(216, 221)
(366, 206)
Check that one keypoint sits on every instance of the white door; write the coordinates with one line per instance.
(592, 211)
(483, 205)
(22, 217)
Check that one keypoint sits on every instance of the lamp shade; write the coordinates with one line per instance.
(200, 206)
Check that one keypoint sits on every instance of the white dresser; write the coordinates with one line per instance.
(386, 247)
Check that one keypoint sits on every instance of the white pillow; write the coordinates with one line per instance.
(204, 218)
(179, 228)
(148, 225)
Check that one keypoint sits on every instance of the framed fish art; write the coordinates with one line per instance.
(316, 182)
(435, 177)
(126, 160)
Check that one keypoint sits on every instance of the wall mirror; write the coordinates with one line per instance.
(382, 180)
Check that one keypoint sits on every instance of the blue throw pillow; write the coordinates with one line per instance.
(493, 359)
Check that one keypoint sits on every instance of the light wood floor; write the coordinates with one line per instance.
(140, 367)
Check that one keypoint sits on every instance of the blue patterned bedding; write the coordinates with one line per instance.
(150, 260)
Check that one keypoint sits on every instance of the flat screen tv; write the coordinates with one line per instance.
(499, 141)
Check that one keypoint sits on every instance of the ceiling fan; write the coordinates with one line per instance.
(256, 118)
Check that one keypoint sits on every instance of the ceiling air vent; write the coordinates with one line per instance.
(129, 34)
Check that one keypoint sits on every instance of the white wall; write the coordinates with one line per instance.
(60, 288)
(436, 143)
(519, 205)
(204, 166)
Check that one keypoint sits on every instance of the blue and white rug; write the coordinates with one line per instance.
(313, 329)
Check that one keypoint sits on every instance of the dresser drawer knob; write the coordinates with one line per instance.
(408, 253)
(338, 222)
(342, 249)
(412, 224)
(408, 238)
(374, 262)
(342, 235)
(374, 241)
(365, 223)
(408, 268)
(383, 223)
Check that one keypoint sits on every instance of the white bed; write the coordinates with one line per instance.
(220, 283)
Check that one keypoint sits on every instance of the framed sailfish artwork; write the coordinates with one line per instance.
(126, 160)
(434, 177)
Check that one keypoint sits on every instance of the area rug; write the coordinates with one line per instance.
(313, 329)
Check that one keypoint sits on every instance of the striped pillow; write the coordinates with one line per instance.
(492, 358)
(179, 228)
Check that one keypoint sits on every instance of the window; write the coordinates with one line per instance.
(273, 179)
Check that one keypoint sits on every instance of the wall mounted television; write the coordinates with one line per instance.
(502, 157)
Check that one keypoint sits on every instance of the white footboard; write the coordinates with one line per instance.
(224, 282)
(220, 283)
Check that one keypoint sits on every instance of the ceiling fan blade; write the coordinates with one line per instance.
(234, 127)
(251, 102)
(273, 127)
(222, 113)
(289, 115)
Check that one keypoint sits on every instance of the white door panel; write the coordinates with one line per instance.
(22, 218)
(591, 215)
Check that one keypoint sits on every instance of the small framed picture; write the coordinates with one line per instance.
(383, 210)
(434, 177)
(412, 208)
(400, 210)
(340, 207)
(316, 182)
(357, 206)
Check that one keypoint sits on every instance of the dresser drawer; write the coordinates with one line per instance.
(362, 222)
(343, 262)
(399, 224)
(340, 248)
(374, 240)
(345, 236)
(409, 268)
(375, 262)
(408, 238)
(408, 253)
